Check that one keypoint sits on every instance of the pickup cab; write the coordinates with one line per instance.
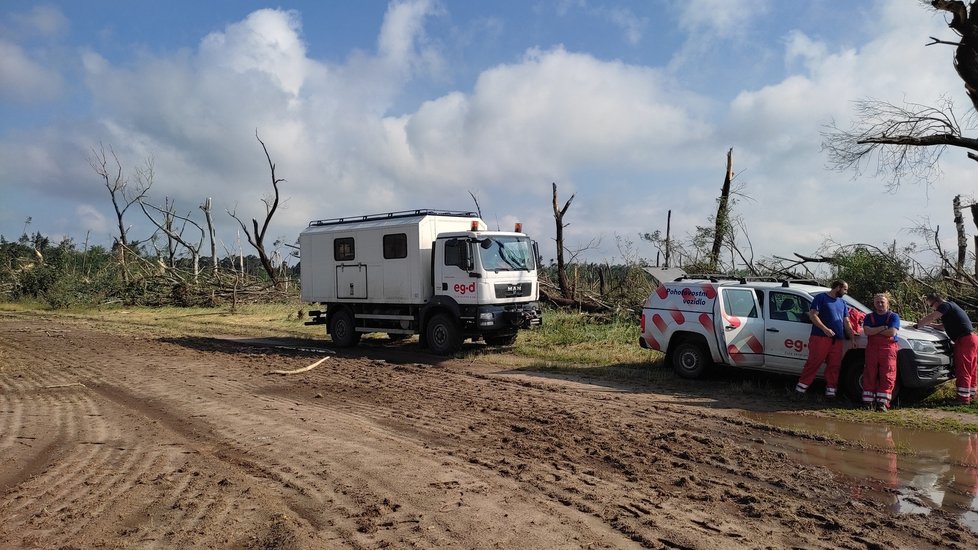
(703, 323)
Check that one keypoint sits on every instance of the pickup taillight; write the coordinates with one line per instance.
(643, 323)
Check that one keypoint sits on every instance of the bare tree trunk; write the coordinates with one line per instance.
(123, 196)
(721, 225)
(206, 207)
(565, 290)
(962, 236)
(668, 230)
(256, 238)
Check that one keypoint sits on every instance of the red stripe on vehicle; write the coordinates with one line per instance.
(710, 291)
(659, 322)
(662, 291)
(678, 316)
(707, 322)
(755, 345)
(653, 343)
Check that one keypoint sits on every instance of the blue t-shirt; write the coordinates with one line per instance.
(955, 320)
(831, 311)
(888, 320)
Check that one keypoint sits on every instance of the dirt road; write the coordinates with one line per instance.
(144, 442)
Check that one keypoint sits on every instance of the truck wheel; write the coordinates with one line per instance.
(501, 339)
(343, 329)
(691, 360)
(443, 335)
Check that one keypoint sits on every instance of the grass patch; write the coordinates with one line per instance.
(915, 418)
(577, 339)
(257, 320)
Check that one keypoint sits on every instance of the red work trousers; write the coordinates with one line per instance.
(822, 349)
(879, 374)
(965, 356)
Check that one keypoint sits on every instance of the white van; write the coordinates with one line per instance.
(700, 323)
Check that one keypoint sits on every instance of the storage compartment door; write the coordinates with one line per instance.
(351, 282)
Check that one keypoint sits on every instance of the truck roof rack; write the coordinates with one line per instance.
(392, 215)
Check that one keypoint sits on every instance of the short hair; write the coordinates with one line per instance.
(934, 297)
(837, 283)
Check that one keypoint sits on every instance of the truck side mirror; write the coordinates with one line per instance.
(465, 257)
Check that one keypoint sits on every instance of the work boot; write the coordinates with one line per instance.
(882, 406)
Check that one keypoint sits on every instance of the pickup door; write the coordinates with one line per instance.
(741, 327)
(787, 331)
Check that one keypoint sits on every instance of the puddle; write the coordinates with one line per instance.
(913, 472)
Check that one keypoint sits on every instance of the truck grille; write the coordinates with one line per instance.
(513, 290)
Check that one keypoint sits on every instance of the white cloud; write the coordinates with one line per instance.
(92, 220)
(712, 19)
(45, 21)
(23, 79)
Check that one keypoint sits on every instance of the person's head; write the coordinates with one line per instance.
(839, 288)
(881, 302)
(933, 299)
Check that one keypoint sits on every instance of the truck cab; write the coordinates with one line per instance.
(700, 324)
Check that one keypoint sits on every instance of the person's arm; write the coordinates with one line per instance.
(817, 321)
(929, 319)
(847, 327)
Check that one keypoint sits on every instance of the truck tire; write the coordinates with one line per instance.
(443, 335)
(343, 329)
(500, 339)
(691, 360)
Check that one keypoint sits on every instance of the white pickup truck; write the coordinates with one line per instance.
(700, 323)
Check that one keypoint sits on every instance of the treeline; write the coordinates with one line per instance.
(65, 274)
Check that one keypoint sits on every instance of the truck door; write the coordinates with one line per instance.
(453, 265)
(787, 332)
(742, 327)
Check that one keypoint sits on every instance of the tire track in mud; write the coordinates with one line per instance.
(365, 454)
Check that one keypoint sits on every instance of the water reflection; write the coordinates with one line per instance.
(912, 471)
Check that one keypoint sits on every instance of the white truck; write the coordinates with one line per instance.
(437, 273)
(699, 323)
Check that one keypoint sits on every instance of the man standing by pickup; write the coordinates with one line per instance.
(830, 325)
(957, 325)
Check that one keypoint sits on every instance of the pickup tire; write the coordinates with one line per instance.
(343, 329)
(691, 359)
(443, 335)
(851, 381)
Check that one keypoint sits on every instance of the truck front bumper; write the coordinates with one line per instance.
(509, 316)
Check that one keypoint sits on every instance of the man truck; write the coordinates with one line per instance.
(437, 273)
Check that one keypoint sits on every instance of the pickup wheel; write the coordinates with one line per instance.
(443, 335)
(691, 360)
(343, 330)
(852, 382)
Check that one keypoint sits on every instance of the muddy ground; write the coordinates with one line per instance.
(184, 442)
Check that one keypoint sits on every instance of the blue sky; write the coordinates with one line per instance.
(377, 106)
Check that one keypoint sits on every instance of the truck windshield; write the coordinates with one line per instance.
(506, 254)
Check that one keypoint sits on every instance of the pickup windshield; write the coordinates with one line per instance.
(506, 254)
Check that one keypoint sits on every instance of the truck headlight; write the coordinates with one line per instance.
(487, 316)
(923, 346)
